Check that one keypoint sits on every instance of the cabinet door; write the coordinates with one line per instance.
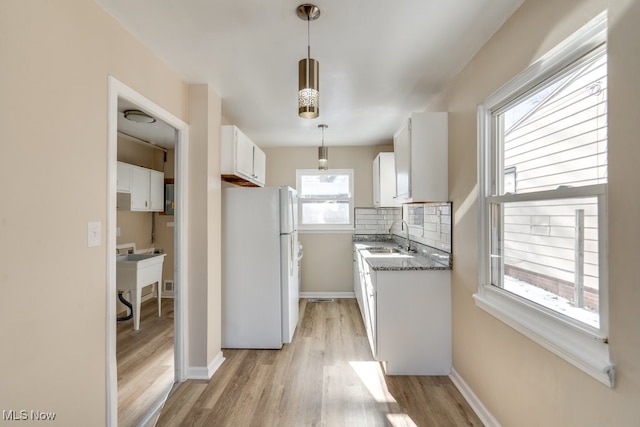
(156, 191)
(139, 189)
(384, 181)
(259, 165)
(124, 178)
(402, 150)
(370, 296)
(244, 156)
(376, 181)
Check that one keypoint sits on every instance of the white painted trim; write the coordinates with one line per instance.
(327, 295)
(576, 346)
(117, 89)
(476, 404)
(348, 230)
(205, 373)
(582, 346)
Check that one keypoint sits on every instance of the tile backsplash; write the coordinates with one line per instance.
(376, 220)
(429, 223)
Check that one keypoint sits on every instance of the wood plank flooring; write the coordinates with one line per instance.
(325, 377)
(145, 362)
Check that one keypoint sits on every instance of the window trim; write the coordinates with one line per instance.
(579, 346)
(326, 228)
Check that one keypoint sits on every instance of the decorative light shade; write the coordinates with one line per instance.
(323, 152)
(308, 93)
(308, 70)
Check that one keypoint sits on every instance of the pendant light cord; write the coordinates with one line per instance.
(308, 37)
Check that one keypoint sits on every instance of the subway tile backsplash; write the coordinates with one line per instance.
(429, 223)
(376, 220)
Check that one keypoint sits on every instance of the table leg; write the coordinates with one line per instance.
(136, 297)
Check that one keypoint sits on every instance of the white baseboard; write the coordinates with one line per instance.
(478, 407)
(205, 373)
(327, 295)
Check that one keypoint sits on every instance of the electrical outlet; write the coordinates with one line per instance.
(94, 234)
(118, 232)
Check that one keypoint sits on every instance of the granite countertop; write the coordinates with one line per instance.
(424, 259)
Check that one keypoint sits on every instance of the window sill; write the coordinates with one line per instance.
(303, 230)
(581, 349)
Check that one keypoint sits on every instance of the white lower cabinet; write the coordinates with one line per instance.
(407, 315)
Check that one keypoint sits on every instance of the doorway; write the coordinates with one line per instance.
(120, 93)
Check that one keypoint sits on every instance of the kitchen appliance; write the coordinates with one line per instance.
(260, 267)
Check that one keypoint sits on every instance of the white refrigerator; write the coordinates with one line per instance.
(260, 267)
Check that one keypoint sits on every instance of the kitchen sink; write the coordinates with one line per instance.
(384, 250)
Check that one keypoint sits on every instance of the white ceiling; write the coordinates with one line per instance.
(379, 60)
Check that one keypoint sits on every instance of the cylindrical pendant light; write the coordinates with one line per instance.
(323, 152)
(308, 70)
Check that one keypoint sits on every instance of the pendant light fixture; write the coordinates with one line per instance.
(323, 152)
(308, 69)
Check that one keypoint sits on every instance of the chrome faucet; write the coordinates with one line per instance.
(407, 246)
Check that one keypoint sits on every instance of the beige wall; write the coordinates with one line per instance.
(205, 279)
(56, 59)
(520, 382)
(322, 250)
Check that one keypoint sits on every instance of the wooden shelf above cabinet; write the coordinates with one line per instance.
(234, 179)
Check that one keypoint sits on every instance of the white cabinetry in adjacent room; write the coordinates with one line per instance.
(156, 191)
(242, 162)
(421, 158)
(124, 178)
(384, 181)
(140, 189)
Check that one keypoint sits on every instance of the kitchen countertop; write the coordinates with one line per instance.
(424, 259)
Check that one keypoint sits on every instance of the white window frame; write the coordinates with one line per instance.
(581, 346)
(326, 228)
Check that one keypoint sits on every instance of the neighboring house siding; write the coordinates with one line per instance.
(560, 140)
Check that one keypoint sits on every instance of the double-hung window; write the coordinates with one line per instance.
(542, 173)
(325, 199)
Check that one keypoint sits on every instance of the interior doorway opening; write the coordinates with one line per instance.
(121, 99)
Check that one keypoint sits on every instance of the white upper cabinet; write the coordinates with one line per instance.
(242, 162)
(124, 178)
(259, 165)
(384, 181)
(156, 191)
(140, 189)
(421, 158)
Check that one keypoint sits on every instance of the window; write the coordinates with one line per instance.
(325, 199)
(542, 230)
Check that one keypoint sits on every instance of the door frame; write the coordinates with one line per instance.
(117, 89)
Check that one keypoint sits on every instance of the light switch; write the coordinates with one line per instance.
(94, 234)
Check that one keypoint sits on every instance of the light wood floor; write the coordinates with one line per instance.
(325, 377)
(145, 362)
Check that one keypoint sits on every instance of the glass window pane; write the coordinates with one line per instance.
(547, 252)
(325, 212)
(557, 135)
(325, 185)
